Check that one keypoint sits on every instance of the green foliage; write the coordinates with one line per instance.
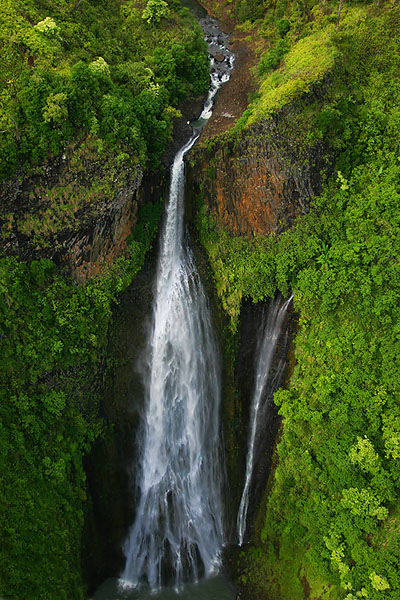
(48, 27)
(271, 59)
(49, 328)
(56, 110)
(242, 268)
(155, 11)
(337, 479)
(302, 46)
(283, 26)
(53, 334)
(70, 70)
(331, 525)
(306, 63)
(249, 10)
(140, 241)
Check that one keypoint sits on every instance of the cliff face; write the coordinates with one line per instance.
(77, 209)
(110, 465)
(260, 180)
(257, 182)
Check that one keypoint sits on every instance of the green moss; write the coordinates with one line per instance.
(241, 268)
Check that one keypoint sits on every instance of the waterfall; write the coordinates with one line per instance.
(177, 534)
(265, 381)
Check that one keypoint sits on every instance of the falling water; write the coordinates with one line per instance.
(264, 380)
(177, 534)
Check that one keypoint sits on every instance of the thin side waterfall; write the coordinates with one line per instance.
(264, 380)
(178, 532)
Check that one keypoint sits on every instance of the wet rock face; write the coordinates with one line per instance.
(253, 318)
(111, 462)
(89, 251)
(260, 182)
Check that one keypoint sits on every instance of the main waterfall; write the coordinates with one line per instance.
(177, 534)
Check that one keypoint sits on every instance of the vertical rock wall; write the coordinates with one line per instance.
(77, 209)
(257, 181)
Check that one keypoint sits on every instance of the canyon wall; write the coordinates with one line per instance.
(110, 464)
(257, 181)
(77, 209)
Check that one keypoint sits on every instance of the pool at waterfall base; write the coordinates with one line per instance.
(213, 588)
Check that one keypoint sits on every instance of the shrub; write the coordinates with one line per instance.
(48, 27)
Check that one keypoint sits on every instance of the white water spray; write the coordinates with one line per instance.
(276, 314)
(177, 534)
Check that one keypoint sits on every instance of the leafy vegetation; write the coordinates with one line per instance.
(114, 72)
(331, 527)
(306, 63)
(114, 69)
(90, 88)
(52, 339)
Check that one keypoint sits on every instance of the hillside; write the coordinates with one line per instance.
(89, 90)
(314, 164)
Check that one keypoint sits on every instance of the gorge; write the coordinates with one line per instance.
(289, 489)
(178, 525)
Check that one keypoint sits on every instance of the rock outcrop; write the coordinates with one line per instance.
(77, 209)
(259, 180)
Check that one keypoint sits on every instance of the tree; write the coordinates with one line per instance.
(339, 11)
(155, 11)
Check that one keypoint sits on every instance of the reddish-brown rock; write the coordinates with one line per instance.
(258, 181)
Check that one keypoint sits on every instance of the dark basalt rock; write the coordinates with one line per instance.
(252, 318)
(110, 464)
(77, 209)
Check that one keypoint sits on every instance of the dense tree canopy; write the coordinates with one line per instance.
(95, 66)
